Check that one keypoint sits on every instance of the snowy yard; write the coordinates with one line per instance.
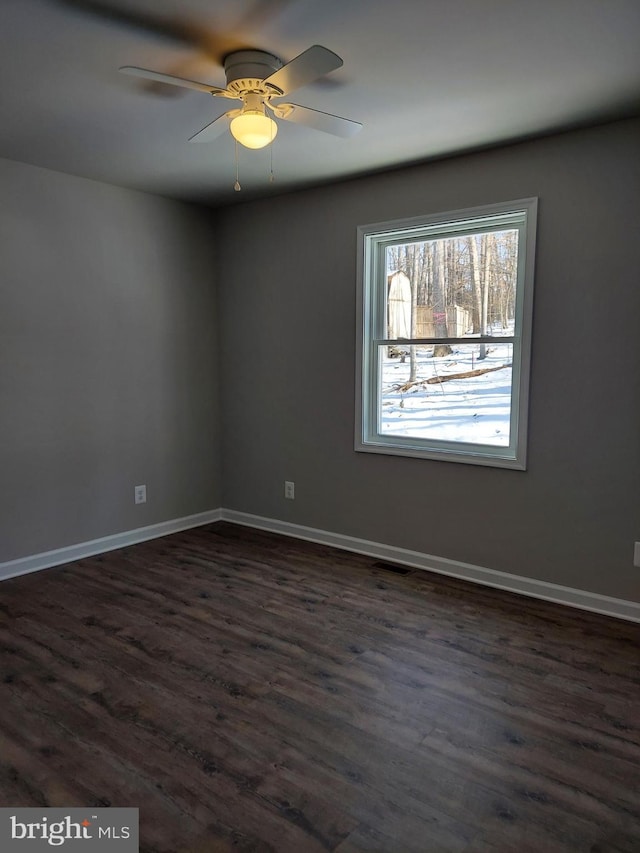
(474, 409)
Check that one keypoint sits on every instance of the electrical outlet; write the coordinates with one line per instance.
(636, 554)
(289, 490)
(140, 494)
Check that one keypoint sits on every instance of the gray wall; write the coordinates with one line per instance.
(108, 360)
(287, 346)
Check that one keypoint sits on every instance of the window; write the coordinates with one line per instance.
(444, 306)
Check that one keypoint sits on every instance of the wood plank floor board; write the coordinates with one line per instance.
(488, 800)
(249, 692)
(148, 744)
(544, 772)
(435, 829)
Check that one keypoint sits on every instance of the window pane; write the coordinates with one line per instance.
(455, 394)
(453, 287)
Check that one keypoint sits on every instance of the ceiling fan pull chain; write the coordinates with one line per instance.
(237, 186)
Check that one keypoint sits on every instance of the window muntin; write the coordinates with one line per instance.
(445, 309)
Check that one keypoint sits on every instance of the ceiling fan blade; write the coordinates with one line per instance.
(314, 62)
(318, 120)
(175, 81)
(214, 129)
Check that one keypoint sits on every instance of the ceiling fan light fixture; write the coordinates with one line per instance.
(253, 129)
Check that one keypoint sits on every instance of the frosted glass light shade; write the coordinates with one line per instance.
(253, 129)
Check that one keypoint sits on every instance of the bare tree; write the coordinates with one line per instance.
(476, 284)
(440, 297)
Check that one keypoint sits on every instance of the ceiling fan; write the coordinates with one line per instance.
(259, 80)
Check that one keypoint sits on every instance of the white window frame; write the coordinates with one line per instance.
(373, 240)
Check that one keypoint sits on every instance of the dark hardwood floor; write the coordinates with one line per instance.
(250, 692)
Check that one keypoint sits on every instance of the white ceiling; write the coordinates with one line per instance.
(426, 79)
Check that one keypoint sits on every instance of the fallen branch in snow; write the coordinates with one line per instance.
(436, 380)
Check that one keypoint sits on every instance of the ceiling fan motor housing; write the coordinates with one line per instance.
(247, 69)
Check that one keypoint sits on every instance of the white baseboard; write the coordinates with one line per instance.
(48, 559)
(581, 599)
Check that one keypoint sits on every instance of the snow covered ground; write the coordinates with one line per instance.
(474, 410)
